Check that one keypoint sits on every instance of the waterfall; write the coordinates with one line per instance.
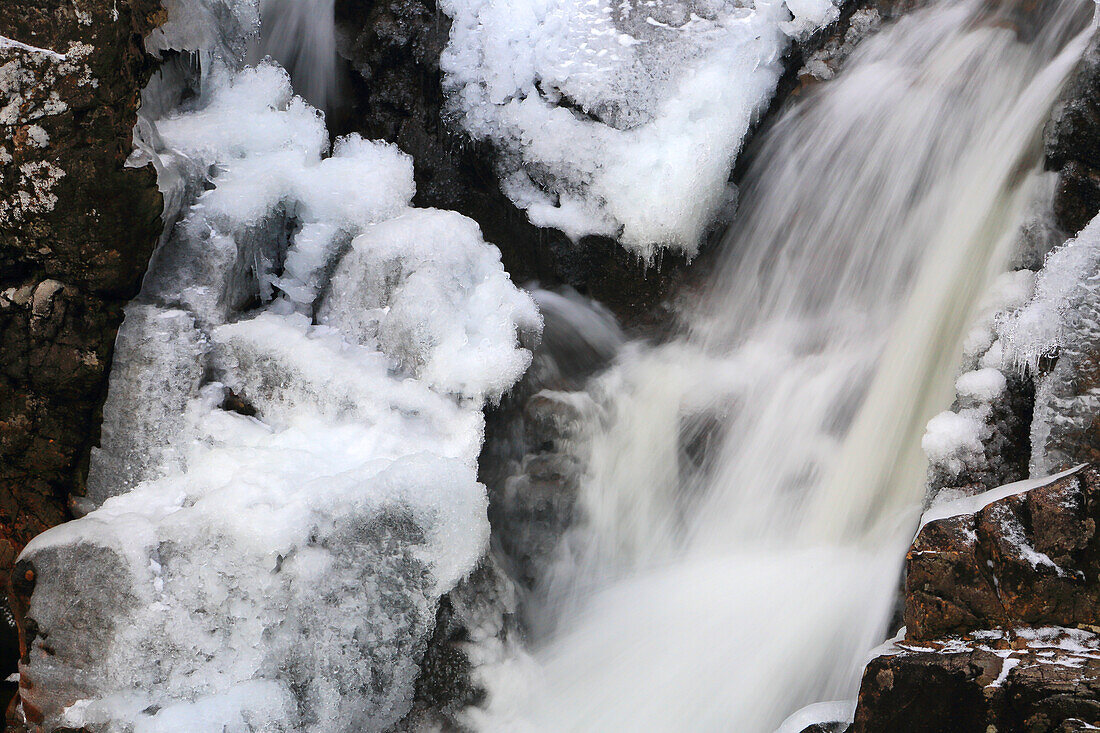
(754, 482)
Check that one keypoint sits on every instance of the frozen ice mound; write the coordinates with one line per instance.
(619, 117)
(439, 305)
(158, 369)
(287, 479)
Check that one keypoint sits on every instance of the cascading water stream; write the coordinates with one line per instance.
(727, 591)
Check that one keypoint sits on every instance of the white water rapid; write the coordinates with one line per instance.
(726, 592)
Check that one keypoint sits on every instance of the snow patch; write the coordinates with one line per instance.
(974, 504)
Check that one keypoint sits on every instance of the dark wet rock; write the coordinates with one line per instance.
(532, 507)
(9, 655)
(1072, 144)
(76, 231)
(1026, 559)
(532, 459)
(1031, 681)
(474, 625)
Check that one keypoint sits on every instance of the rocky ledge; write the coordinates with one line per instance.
(1002, 610)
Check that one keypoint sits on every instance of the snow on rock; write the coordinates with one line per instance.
(971, 442)
(619, 117)
(288, 469)
(986, 680)
(953, 440)
(953, 507)
(439, 305)
(981, 441)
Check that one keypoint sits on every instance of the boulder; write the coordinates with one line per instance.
(1002, 613)
(1044, 680)
(1030, 558)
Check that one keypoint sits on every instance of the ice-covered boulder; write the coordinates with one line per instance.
(441, 306)
(615, 118)
(287, 480)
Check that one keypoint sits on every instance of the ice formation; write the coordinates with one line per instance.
(1062, 322)
(1064, 305)
(287, 477)
(619, 117)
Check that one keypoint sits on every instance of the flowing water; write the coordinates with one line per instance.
(301, 36)
(755, 482)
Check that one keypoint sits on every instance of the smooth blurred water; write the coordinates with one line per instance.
(301, 36)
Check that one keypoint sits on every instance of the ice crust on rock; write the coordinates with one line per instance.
(397, 288)
(619, 117)
(288, 470)
(1063, 309)
(1061, 322)
(974, 444)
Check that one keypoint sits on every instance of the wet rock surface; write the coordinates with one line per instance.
(1034, 680)
(474, 626)
(1028, 559)
(76, 231)
(1072, 145)
(1001, 614)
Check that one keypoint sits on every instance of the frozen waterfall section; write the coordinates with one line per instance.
(286, 482)
(733, 589)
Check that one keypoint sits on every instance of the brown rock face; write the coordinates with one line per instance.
(1002, 610)
(76, 231)
(1039, 681)
(1028, 559)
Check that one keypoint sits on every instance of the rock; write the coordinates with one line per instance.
(1072, 144)
(1036, 680)
(533, 504)
(1027, 559)
(76, 231)
(475, 625)
(1002, 614)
